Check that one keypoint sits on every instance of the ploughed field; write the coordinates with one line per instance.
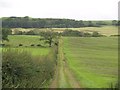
(93, 61)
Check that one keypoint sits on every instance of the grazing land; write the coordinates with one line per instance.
(62, 62)
(27, 63)
(94, 61)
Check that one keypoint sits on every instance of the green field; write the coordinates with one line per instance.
(94, 61)
(35, 65)
(81, 62)
(33, 51)
(27, 40)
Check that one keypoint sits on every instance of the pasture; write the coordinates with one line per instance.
(26, 40)
(93, 61)
(31, 66)
(85, 62)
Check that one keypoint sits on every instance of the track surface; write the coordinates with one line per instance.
(63, 78)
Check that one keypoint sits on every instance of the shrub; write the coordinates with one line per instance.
(22, 70)
(32, 45)
(20, 44)
(2, 44)
(72, 33)
(87, 34)
(114, 35)
(95, 34)
(39, 45)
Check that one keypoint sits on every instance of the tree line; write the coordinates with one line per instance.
(27, 22)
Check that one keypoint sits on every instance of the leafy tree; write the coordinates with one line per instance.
(49, 37)
(115, 22)
(5, 33)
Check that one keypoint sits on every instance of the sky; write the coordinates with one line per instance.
(70, 9)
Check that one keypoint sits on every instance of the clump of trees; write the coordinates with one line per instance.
(5, 33)
(50, 37)
(76, 33)
(27, 22)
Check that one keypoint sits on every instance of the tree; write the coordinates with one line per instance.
(48, 37)
(5, 33)
(96, 34)
(115, 22)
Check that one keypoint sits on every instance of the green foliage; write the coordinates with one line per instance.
(72, 33)
(23, 70)
(96, 34)
(5, 33)
(49, 37)
(76, 33)
(26, 22)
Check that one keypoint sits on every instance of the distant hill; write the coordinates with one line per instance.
(27, 22)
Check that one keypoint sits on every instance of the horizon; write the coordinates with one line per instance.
(58, 18)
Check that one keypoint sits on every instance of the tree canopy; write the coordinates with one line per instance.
(27, 22)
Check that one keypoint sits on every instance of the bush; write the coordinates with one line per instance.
(95, 34)
(114, 35)
(2, 44)
(32, 45)
(22, 70)
(39, 45)
(72, 33)
(87, 34)
(20, 44)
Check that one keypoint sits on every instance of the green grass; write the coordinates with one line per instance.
(33, 51)
(94, 61)
(26, 40)
(35, 64)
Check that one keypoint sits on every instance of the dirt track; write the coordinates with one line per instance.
(63, 78)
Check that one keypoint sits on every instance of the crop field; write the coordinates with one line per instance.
(70, 62)
(26, 40)
(32, 51)
(104, 30)
(93, 61)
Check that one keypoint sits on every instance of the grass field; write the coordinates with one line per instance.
(94, 61)
(34, 65)
(87, 62)
(33, 51)
(27, 40)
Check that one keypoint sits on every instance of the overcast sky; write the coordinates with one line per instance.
(72, 9)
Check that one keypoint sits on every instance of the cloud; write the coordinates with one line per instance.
(74, 9)
(5, 4)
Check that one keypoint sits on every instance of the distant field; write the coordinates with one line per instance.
(105, 30)
(94, 61)
(26, 40)
(33, 51)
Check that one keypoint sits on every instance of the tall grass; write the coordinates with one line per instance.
(22, 70)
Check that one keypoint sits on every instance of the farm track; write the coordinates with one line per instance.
(63, 77)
